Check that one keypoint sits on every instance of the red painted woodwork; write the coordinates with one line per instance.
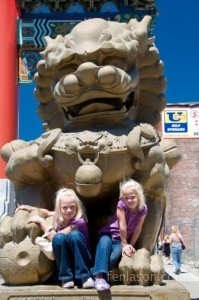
(8, 75)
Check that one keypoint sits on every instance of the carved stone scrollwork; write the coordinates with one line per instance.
(88, 142)
(88, 146)
(45, 159)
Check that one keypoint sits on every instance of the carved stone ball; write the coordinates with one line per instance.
(88, 179)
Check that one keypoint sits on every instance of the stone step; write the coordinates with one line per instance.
(169, 290)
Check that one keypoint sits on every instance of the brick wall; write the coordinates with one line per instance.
(183, 196)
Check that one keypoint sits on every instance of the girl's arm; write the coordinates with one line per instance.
(49, 231)
(127, 249)
(68, 229)
(181, 237)
(137, 231)
(122, 225)
(29, 208)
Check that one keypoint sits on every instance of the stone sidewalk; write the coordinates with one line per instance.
(189, 278)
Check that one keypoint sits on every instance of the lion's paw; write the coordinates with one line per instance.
(21, 261)
(141, 269)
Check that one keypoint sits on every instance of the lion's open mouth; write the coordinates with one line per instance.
(93, 90)
(98, 106)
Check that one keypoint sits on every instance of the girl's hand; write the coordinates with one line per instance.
(128, 250)
(40, 221)
(24, 207)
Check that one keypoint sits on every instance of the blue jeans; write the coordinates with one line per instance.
(72, 255)
(107, 254)
(176, 254)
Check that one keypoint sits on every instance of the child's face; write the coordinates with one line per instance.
(130, 198)
(68, 207)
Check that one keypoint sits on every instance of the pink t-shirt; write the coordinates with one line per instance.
(132, 220)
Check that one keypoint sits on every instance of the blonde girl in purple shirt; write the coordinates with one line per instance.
(119, 236)
(69, 236)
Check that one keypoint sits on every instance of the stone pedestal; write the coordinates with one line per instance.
(169, 290)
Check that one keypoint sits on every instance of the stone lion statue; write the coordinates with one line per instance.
(100, 90)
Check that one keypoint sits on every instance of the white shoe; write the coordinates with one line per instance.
(68, 284)
(87, 283)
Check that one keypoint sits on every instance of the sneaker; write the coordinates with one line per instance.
(68, 284)
(101, 284)
(87, 283)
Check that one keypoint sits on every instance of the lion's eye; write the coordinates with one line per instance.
(67, 70)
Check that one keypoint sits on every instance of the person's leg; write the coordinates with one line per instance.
(169, 257)
(102, 259)
(102, 256)
(60, 250)
(82, 258)
(174, 256)
(179, 255)
(115, 254)
(114, 260)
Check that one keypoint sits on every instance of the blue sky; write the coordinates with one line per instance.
(177, 38)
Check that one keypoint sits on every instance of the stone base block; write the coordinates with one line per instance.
(169, 290)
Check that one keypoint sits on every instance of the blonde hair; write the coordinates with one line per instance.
(68, 192)
(137, 188)
(175, 229)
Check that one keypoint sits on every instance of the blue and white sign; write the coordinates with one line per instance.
(180, 123)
